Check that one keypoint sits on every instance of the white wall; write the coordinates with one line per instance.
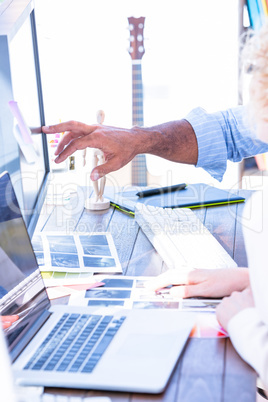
(190, 60)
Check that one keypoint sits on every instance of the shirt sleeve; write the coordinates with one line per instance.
(223, 136)
(249, 335)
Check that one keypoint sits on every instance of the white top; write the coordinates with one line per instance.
(6, 378)
(248, 329)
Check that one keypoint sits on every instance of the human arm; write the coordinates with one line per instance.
(203, 139)
(175, 141)
(247, 331)
(202, 282)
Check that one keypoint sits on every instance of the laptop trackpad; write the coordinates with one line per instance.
(147, 345)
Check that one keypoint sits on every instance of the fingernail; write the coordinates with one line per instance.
(95, 176)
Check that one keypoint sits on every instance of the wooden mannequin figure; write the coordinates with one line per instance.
(97, 201)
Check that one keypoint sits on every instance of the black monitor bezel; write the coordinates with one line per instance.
(42, 192)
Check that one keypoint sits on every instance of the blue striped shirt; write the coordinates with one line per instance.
(223, 135)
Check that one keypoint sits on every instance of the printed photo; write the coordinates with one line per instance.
(101, 293)
(94, 239)
(64, 260)
(40, 258)
(200, 304)
(83, 252)
(60, 244)
(66, 239)
(96, 250)
(118, 283)
(37, 243)
(105, 303)
(152, 304)
(99, 262)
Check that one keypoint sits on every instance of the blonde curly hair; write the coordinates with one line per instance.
(255, 59)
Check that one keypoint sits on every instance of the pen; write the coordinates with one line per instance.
(161, 190)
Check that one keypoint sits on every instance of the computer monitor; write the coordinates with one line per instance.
(20, 83)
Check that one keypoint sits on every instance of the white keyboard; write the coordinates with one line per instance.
(60, 398)
(36, 394)
(181, 239)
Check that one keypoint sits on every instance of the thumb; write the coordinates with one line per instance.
(99, 171)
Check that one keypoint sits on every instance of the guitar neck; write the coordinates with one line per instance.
(137, 94)
(139, 170)
(136, 51)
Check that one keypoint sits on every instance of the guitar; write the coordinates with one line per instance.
(136, 51)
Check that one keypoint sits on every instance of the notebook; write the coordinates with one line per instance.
(78, 347)
(192, 196)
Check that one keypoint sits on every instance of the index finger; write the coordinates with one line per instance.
(74, 126)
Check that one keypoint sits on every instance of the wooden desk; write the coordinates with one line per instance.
(210, 370)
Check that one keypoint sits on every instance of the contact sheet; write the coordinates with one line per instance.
(76, 252)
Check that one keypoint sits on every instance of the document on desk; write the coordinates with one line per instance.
(131, 292)
(76, 252)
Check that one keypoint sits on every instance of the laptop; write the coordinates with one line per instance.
(78, 347)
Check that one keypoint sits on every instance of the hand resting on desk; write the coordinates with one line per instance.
(232, 305)
(202, 282)
(231, 282)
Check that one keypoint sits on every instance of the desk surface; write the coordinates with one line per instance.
(209, 370)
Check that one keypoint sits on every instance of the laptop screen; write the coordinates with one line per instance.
(22, 291)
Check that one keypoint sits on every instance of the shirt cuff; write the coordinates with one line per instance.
(212, 152)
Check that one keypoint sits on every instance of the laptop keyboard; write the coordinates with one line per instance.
(75, 344)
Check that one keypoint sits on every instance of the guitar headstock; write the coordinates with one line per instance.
(136, 48)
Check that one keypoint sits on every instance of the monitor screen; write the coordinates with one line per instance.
(24, 156)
